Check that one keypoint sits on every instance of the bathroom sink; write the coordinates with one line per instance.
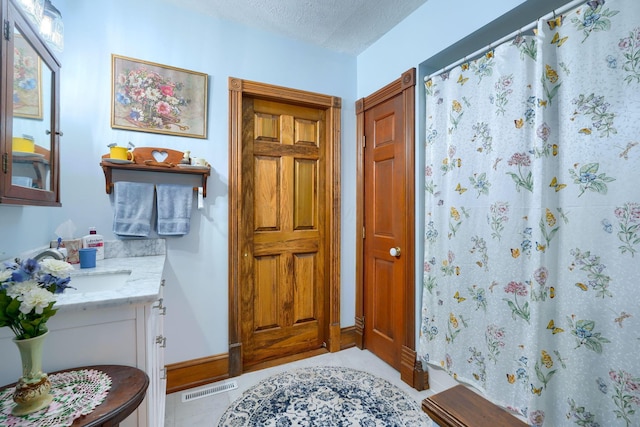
(100, 282)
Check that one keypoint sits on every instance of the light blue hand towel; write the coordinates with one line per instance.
(133, 208)
(174, 209)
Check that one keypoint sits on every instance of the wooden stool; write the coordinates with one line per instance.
(461, 407)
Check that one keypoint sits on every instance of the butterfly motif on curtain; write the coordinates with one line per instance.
(555, 22)
(458, 298)
(462, 80)
(460, 189)
(619, 319)
(518, 123)
(515, 252)
(557, 40)
(546, 359)
(560, 359)
(493, 285)
(625, 153)
(582, 286)
(511, 378)
(518, 40)
(554, 184)
(595, 4)
(535, 390)
(495, 164)
(554, 329)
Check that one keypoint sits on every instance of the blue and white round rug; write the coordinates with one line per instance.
(324, 396)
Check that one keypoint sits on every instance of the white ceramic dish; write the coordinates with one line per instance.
(117, 161)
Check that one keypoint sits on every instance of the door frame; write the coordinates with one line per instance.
(411, 371)
(238, 89)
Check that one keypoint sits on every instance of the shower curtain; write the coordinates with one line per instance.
(531, 287)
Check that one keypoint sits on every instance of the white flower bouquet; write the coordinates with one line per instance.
(28, 292)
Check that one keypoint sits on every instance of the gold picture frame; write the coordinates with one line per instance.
(27, 80)
(150, 97)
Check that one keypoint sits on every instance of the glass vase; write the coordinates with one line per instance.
(32, 390)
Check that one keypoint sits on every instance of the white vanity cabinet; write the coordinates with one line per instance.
(122, 327)
(156, 343)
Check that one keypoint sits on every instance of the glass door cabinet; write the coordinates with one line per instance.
(29, 116)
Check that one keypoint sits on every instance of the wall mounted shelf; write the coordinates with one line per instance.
(150, 159)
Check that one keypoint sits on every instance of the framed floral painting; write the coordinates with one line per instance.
(156, 98)
(27, 80)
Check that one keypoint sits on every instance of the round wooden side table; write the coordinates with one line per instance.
(128, 388)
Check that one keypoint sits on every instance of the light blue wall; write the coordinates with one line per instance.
(196, 293)
(430, 29)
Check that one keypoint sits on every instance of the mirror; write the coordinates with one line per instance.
(31, 143)
(29, 114)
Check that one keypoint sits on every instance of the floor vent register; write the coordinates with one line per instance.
(209, 391)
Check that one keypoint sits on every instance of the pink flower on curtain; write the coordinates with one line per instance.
(625, 395)
(517, 310)
(541, 275)
(536, 418)
(629, 217)
(522, 181)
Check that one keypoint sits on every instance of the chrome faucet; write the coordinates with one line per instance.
(49, 253)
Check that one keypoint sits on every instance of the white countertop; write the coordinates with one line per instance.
(143, 285)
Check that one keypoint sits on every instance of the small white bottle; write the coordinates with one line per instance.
(94, 240)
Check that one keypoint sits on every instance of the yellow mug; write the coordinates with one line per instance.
(24, 144)
(120, 153)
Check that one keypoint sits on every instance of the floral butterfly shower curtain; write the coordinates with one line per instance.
(532, 267)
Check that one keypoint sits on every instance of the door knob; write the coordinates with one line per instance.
(395, 251)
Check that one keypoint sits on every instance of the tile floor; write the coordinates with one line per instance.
(206, 411)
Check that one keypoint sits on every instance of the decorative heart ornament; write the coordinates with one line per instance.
(160, 156)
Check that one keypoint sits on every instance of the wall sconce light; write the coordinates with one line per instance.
(47, 19)
(51, 27)
(34, 10)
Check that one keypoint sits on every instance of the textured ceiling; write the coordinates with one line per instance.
(348, 26)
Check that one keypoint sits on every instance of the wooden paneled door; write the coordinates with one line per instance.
(385, 220)
(385, 292)
(281, 287)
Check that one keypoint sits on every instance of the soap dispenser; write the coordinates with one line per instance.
(94, 240)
